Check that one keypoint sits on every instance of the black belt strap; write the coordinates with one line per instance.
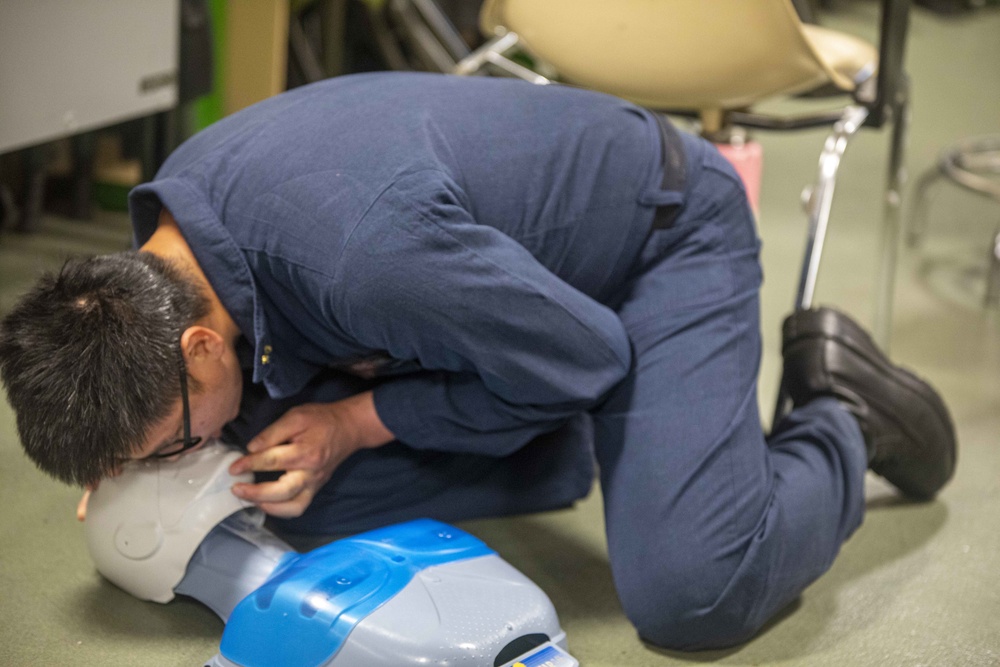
(674, 172)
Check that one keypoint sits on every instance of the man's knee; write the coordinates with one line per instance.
(692, 607)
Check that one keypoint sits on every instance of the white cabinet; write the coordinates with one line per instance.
(68, 66)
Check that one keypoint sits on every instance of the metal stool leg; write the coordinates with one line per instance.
(992, 297)
(916, 225)
(973, 164)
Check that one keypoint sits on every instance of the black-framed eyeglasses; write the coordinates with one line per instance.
(181, 445)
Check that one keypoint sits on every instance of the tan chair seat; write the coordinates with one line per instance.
(683, 54)
(850, 58)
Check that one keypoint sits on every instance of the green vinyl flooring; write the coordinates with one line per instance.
(918, 584)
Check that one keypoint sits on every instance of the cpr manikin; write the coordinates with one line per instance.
(417, 593)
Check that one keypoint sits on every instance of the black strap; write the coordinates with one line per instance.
(674, 172)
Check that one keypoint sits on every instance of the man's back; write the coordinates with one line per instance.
(558, 170)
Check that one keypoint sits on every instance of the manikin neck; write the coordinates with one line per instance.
(233, 561)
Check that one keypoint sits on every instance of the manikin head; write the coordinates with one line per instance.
(144, 524)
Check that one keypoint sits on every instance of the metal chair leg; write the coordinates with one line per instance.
(36, 168)
(8, 210)
(494, 52)
(819, 203)
(429, 33)
(821, 200)
(886, 283)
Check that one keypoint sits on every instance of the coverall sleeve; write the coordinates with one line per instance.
(509, 350)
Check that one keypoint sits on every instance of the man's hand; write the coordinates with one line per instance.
(308, 442)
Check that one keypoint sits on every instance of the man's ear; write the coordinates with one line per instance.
(201, 344)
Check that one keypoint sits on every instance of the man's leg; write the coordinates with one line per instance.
(712, 529)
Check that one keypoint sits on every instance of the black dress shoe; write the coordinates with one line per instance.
(907, 429)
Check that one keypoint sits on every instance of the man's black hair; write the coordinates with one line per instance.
(91, 359)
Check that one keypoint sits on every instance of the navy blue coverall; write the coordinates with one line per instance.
(487, 255)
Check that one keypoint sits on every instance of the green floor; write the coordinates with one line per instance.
(918, 584)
